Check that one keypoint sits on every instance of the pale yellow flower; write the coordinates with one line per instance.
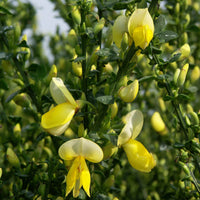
(138, 156)
(56, 120)
(77, 150)
(141, 27)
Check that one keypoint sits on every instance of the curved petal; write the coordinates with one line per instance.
(60, 93)
(138, 156)
(119, 28)
(81, 147)
(72, 176)
(58, 116)
(56, 131)
(134, 122)
(129, 93)
(85, 177)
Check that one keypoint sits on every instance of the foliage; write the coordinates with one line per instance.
(94, 69)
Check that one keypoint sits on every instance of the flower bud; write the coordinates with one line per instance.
(187, 18)
(158, 123)
(22, 100)
(25, 49)
(69, 133)
(129, 93)
(12, 158)
(185, 52)
(52, 73)
(114, 110)
(162, 104)
(76, 16)
(141, 27)
(109, 150)
(194, 118)
(99, 26)
(119, 28)
(182, 75)
(108, 68)
(195, 74)
(176, 75)
(177, 8)
(109, 181)
(81, 130)
(125, 41)
(72, 38)
(184, 167)
(77, 68)
(1, 172)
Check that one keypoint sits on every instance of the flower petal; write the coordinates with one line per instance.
(60, 93)
(134, 122)
(56, 131)
(138, 156)
(72, 176)
(81, 147)
(58, 116)
(119, 28)
(85, 177)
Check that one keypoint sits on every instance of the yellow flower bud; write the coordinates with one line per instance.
(69, 133)
(176, 75)
(76, 16)
(72, 38)
(195, 74)
(114, 109)
(12, 158)
(99, 25)
(108, 68)
(141, 27)
(187, 17)
(129, 93)
(77, 68)
(109, 150)
(52, 73)
(25, 49)
(1, 172)
(158, 123)
(22, 100)
(162, 104)
(182, 75)
(125, 41)
(119, 28)
(185, 52)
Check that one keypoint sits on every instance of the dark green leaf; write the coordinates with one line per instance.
(79, 59)
(175, 57)
(4, 11)
(168, 98)
(37, 72)
(5, 29)
(3, 84)
(160, 24)
(107, 99)
(14, 119)
(167, 35)
(178, 145)
(183, 97)
(23, 44)
(10, 97)
(122, 4)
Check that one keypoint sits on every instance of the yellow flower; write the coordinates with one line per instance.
(141, 27)
(158, 123)
(56, 120)
(129, 93)
(138, 155)
(120, 27)
(77, 150)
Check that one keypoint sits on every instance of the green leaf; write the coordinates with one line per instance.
(183, 97)
(37, 72)
(14, 119)
(5, 56)
(10, 97)
(174, 58)
(5, 29)
(79, 59)
(3, 84)
(160, 24)
(167, 35)
(107, 99)
(5, 11)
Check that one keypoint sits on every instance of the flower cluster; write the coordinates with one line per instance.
(139, 26)
(140, 29)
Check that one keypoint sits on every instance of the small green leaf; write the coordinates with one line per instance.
(107, 99)
(10, 97)
(4, 11)
(160, 24)
(167, 35)
(37, 72)
(174, 58)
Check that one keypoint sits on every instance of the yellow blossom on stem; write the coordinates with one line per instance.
(77, 150)
(141, 27)
(138, 156)
(57, 119)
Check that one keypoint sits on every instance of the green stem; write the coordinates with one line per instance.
(123, 69)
